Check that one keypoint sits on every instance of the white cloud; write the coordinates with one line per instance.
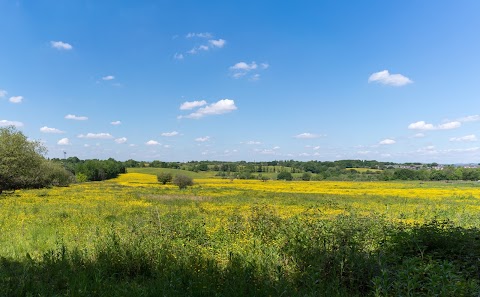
(241, 69)
(64, 141)
(465, 138)
(108, 77)
(60, 45)
(4, 123)
(96, 136)
(217, 43)
(46, 129)
(192, 104)
(472, 118)
(384, 77)
(170, 134)
(255, 77)
(244, 66)
(152, 142)
(419, 135)
(316, 148)
(202, 139)
(306, 135)
(251, 142)
(220, 107)
(3, 93)
(199, 35)
(76, 118)
(178, 56)
(16, 99)
(422, 125)
(387, 141)
(115, 123)
(121, 140)
(449, 125)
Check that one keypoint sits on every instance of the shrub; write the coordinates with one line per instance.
(164, 177)
(182, 181)
(285, 176)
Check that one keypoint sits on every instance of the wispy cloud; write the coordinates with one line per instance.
(46, 129)
(465, 138)
(152, 142)
(422, 125)
(202, 139)
(220, 107)
(108, 77)
(116, 123)
(60, 45)
(3, 93)
(192, 104)
(387, 141)
(178, 56)
(384, 77)
(472, 118)
(206, 46)
(241, 69)
(253, 142)
(121, 140)
(96, 136)
(306, 135)
(219, 43)
(170, 134)
(76, 118)
(16, 99)
(64, 141)
(199, 35)
(4, 123)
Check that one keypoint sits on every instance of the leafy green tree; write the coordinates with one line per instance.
(182, 181)
(306, 176)
(164, 177)
(22, 164)
(285, 176)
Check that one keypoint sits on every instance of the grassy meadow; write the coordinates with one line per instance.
(131, 236)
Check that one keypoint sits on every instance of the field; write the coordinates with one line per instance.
(221, 237)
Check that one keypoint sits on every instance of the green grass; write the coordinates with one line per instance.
(155, 171)
(105, 239)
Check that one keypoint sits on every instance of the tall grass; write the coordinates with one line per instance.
(135, 237)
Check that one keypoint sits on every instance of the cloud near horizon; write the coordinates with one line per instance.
(46, 129)
(422, 125)
(96, 136)
(5, 123)
(306, 135)
(76, 118)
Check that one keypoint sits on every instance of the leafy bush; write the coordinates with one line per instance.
(182, 181)
(284, 176)
(164, 177)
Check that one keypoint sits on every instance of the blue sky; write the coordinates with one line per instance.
(244, 80)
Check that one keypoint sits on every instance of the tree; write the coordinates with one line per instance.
(306, 176)
(164, 177)
(182, 181)
(284, 176)
(22, 164)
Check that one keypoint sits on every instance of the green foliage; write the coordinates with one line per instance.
(285, 176)
(81, 178)
(94, 170)
(182, 181)
(22, 164)
(164, 177)
(306, 176)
